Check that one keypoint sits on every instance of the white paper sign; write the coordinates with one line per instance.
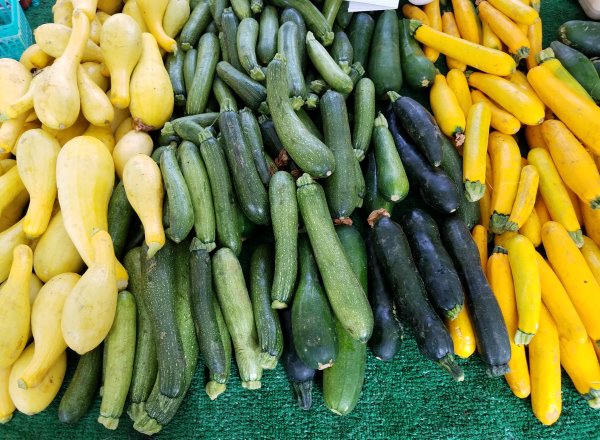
(375, 5)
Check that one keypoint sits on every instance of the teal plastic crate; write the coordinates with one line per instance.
(15, 32)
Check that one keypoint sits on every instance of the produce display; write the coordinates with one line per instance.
(188, 184)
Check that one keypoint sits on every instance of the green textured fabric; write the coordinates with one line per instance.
(407, 397)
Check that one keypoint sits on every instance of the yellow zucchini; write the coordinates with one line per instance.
(461, 332)
(480, 237)
(534, 138)
(581, 364)
(467, 20)
(502, 120)
(89, 309)
(475, 150)
(518, 11)
(484, 208)
(591, 253)
(434, 17)
(574, 274)
(457, 81)
(525, 198)
(500, 240)
(541, 209)
(591, 220)
(414, 12)
(450, 27)
(489, 38)
(532, 229)
(519, 79)
(534, 35)
(554, 193)
(508, 32)
(447, 110)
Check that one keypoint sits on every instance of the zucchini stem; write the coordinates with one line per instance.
(522, 338)
(303, 391)
(448, 364)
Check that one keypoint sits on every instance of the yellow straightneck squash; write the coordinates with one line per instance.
(89, 310)
(14, 83)
(121, 45)
(132, 9)
(95, 105)
(86, 6)
(103, 134)
(110, 6)
(151, 89)
(7, 407)
(85, 177)
(124, 127)
(53, 39)
(57, 104)
(9, 240)
(175, 17)
(55, 253)
(62, 12)
(64, 136)
(35, 58)
(132, 143)
(15, 310)
(10, 215)
(144, 189)
(36, 163)
(35, 400)
(153, 12)
(24, 104)
(11, 185)
(94, 71)
(46, 313)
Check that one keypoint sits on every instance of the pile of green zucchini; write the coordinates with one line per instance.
(301, 223)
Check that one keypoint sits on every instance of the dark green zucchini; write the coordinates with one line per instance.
(195, 26)
(247, 37)
(253, 138)
(435, 265)
(181, 212)
(266, 48)
(228, 233)
(341, 194)
(216, 10)
(237, 310)
(119, 353)
(394, 254)
(346, 295)
(342, 51)
(311, 155)
(284, 215)
(223, 94)
(392, 182)
(490, 330)
(174, 66)
(207, 58)
(388, 333)
(241, 8)
(579, 66)
(158, 295)
(198, 184)
(82, 388)
(120, 215)
(229, 24)
(360, 34)
(373, 200)
(384, 66)
(270, 339)
(596, 64)
(343, 17)
(420, 125)
(327, 66)
(250, 190)
(417, 69)
(299, 374)
(291, 14)
(309, 123)
(210, 340)
(252, 93)
(189, 68)
(581, 35)
(287, 45)
(435, 187)
(313, 325)
(312, 16)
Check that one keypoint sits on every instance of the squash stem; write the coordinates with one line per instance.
(214, 389)
(497, 370)
(474, 190)
(577, 237)
(453, 313)
(522, 338)
(303, 392)
(448, 364)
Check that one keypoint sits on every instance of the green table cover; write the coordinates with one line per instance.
(408, 397)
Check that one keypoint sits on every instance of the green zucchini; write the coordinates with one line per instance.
(581, 35)
(342, 383)
(186, 126)
(195, 26)
(229, 24)
(212, 28)
(210, 339)
(181, 212)
(385, 68)
(228, 233)
(207, 58)
(270, 339)
(311, 155)
(224, 49)
(194, 3)
(174, 66)
(237, 310)
(579, 66)
(417, 69)
(266, 48)
(291, 14)
(343, 17)
(198, 184)
(287, 45)
(82, 388)
(312, 101)
(119, 353)
(596, 64)
(189, 68)
(309, 123)
(250, 190)
(394, 254)
(360, 34)
(223, 94)
(241, 8)
(312, 16)
(346, 295)
(159, 409)
(373, 199)
(313, 326)
(364, 114)
(120, 215)
(330, 10)
(252, 93)
(145, 364)
(359, 183)
(247, 37)
(339, 189)
(319, 86)
(256, 6)
(213, 386)
(253, 138)
(244, 224)
(326, 66)
(284, 215)
(216, 10)
(342, 51)
(392, 182)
